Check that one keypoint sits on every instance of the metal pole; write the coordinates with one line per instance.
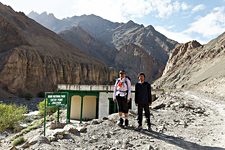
(45, 118)
(58, 115)
(81, 109)
(68, 109)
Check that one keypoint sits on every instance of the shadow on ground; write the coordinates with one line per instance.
(176, 140)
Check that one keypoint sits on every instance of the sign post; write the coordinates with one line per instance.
(54, 99)
(45, 118)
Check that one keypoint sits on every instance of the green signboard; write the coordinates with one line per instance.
(56, 98)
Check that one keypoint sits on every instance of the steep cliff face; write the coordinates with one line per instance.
(181, 54)
(34, 59)
(192, 65)
(27, 70)
(135, 59)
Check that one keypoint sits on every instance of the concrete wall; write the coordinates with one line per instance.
(104, 103)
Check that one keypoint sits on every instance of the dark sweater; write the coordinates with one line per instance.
(143, 93)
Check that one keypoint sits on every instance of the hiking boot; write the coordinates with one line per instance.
(149, 128)
(139, 127)
(126, 122)
(120, 122)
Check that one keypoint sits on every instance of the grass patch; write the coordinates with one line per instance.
(18, 141)
(11, 115)
(32, 126)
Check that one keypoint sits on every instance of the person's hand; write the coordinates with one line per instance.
(114, 100)
(128, 100)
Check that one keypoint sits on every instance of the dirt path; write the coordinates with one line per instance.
(214, 124)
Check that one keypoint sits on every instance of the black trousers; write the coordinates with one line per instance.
(122, 104)
(140, 113)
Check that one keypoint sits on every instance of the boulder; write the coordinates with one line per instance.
(35, 140)
(70, 129)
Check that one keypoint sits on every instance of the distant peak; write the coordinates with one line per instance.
(194, 44)
(91, 15)
(190, 45)
(51, 14)
(33, 13)
(130, 22)
(150, 27)
(44, 13)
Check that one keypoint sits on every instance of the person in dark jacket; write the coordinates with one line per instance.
(143, 99)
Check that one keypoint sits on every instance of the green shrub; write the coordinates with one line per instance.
(10, 116)
(18, 141)
(50, 110)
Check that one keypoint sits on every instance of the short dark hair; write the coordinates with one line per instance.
(141, 73)
(122, 72)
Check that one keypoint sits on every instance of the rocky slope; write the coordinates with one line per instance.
(150, 40)
(35, 59)
(83, 40)
(135, 59)
(194, 65)
(117, 36)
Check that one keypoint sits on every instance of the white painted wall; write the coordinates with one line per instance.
(104, 103)
(106, 91)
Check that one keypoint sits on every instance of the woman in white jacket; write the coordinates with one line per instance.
(122, 95)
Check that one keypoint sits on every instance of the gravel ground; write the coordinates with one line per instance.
(180, 120)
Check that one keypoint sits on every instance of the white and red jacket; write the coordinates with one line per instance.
(122, 87)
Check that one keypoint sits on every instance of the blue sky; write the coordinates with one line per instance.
(180, 20)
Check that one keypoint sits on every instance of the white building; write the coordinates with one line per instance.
(90, 101)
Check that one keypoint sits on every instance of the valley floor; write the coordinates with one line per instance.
(189, 120)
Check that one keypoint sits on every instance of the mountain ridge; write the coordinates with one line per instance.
(35, 59)
(118, 35)
(196, 66)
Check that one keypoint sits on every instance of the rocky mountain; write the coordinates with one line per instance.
(35, 59)
(192, 65)
(50, 22)
(92, 23)
(153, 44)
(135, 59)
(83, 40)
